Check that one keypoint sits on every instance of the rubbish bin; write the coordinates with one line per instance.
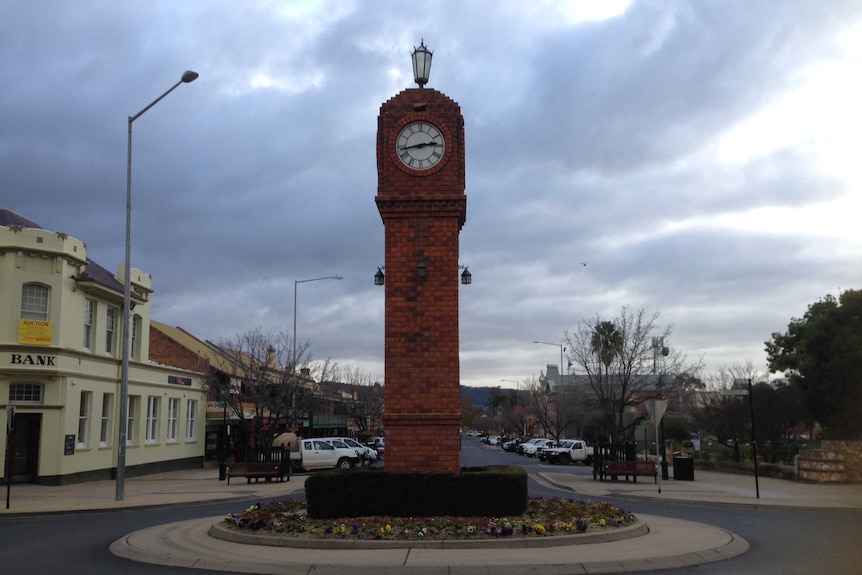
(683, 468)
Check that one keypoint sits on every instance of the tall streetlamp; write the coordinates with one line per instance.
(295, 284)
(188, 76)
(561, 355)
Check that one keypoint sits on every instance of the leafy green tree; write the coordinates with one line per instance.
(779, 418)
(821, 353)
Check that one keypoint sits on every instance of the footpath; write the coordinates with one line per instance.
(669, 542)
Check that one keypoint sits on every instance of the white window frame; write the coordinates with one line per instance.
(134, 407)
(111, 330)
(191, 416)
(136, 327)
(152, 433)
(84, 413)
(89, 323)
(35, 301)
(173, 417)
(105, 422)
(26, 392)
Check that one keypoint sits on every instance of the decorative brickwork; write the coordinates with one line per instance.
(422, 212)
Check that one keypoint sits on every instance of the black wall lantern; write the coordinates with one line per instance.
(466, 277)
(379, 278)
(420, 267)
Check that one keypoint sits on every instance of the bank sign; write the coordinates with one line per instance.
(33, 359)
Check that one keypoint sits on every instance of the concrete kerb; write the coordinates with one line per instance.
(669, 543)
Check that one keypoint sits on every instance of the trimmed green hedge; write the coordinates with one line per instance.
(494, 491)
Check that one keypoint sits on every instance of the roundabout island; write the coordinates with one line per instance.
(653, 542)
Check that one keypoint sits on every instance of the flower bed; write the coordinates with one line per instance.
(543, 517)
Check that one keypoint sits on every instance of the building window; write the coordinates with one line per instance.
(84, 418)
(25, 393)
(34, 301)
(191, 412)
(89, 321)
(105, 424)
(173, 417)
(111, 330)
(134, 408)
(135, 353)
(152, 434)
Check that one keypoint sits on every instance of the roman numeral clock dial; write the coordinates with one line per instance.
(420, 145)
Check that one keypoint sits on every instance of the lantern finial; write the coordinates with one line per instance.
(421, 63)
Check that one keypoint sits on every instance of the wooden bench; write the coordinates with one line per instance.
(257, 470)
(628, 468)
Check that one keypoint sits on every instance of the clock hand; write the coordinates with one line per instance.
(422, 145)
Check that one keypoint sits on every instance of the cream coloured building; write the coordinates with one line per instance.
(60, 355)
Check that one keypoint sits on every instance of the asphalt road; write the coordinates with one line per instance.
(783, 542)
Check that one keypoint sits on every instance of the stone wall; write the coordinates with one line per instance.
(835, 462)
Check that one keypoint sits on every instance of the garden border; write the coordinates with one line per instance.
(224, 533)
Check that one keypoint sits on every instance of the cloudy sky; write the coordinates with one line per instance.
(701, 157)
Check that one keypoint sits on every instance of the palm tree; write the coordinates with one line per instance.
(606, 343)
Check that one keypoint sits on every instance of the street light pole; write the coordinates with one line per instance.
(188, 76)
(561, 355)
(295, 284)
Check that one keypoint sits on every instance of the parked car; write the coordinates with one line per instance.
(340, 443)
(377, 444)
(530, 448)
(512, 444)
(542, 450)
(569, 451)
(523, 445)
(315, 453)
(368, 454)
(492, 439)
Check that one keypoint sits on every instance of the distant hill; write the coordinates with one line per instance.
(478, 395)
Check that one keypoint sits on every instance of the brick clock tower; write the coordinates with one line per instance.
(420, 197)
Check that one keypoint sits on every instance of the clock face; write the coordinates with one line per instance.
(420, 145)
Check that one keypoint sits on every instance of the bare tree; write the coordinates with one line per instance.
(727, 417)
(366, 399)
(618, 360)
(723, 416)
(261, 387)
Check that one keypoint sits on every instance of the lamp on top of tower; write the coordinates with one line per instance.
(421, 64)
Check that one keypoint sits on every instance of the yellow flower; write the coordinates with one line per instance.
(602, 522)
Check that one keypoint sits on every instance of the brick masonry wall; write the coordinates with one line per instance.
(166, 351)
(422, 213)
